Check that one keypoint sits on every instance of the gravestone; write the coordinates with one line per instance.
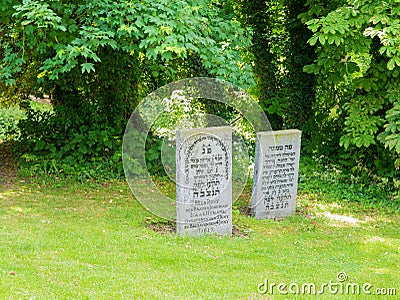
(204, 181)
(275, 174)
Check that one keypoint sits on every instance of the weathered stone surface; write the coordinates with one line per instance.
(204, 181)
(276, 174)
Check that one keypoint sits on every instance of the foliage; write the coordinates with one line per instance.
(180, 111)
(99, 58)
(279, 52)
(336, 183)
(391, 136)
(300, 86)
(9, 118)
(153, 154)
(61, 143)
(358, 67)
(269, 38)
(64, 36)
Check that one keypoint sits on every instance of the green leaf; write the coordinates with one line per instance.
(311, 69)
(166, 55)
(344, 142)
(391, 64)
(87, 67)
(331, 40)
(322, 39)
(312, 41)
(72, 28)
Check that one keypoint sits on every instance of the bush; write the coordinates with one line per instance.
(9, 118)
(65, 142)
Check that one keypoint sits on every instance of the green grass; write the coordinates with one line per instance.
(95, 241)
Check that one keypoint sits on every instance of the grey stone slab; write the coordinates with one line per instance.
(276, 170)
(204, 181)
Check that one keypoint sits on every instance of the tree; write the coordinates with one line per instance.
(300, 85)
(358, 48)
(62, 37)
(265, 19)
(98, 58)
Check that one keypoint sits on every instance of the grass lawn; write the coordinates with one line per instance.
(95, 241)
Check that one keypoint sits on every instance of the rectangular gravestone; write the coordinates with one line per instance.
(275, 174)
(204, 181)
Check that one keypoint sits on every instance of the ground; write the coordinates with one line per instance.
(8, 167)
(96, 241)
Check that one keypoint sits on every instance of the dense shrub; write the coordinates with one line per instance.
(66, 142)
(9, 118)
